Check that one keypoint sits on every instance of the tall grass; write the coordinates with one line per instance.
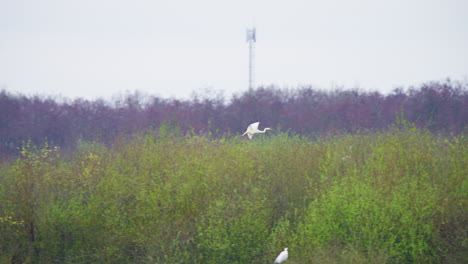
(393, 197)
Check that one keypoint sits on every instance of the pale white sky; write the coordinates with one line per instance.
(170, 48)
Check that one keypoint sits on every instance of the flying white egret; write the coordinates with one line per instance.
(282, 257)
(253, 129)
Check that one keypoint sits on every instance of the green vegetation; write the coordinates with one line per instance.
(397, 197)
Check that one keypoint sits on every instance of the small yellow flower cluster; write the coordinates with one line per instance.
(9, 220)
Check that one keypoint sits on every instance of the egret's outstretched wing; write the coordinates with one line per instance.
(251, 129)
(254, 127)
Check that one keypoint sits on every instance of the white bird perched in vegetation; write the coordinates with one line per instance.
(253, 129)
(282, 257)
(345, 158)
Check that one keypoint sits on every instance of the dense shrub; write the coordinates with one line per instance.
(162, 197)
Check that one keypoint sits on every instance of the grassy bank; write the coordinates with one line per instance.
(393, 197)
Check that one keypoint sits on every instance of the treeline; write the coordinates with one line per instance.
(441, 107)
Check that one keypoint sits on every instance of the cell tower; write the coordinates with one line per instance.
(251, 39)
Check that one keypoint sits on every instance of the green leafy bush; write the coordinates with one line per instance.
(392, 197)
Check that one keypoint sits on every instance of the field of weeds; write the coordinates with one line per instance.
(392, 197)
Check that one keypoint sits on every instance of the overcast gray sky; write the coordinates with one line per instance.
(170, 48)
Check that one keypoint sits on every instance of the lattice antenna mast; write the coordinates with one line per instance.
(251, 39)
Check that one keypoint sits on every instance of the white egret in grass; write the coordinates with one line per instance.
(282, 257)
(253, 129)
(345, 158)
